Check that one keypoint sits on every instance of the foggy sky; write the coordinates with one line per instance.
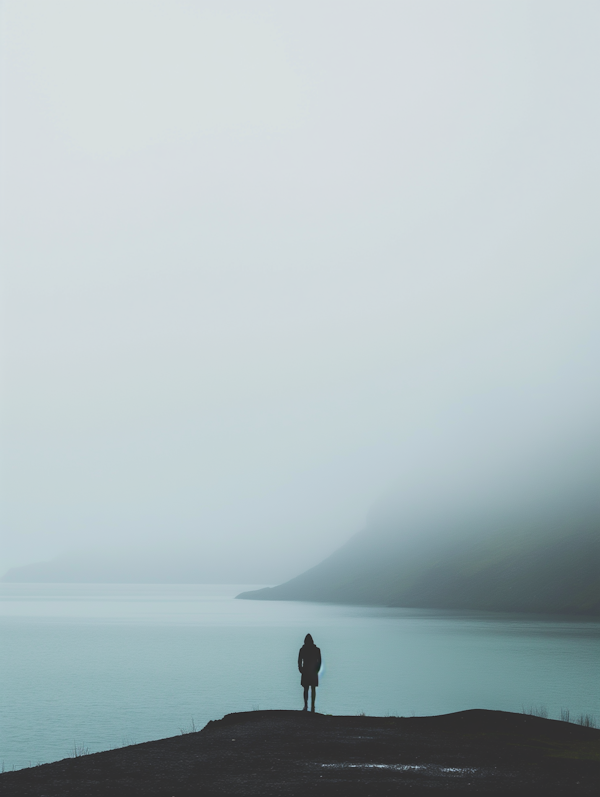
(260, 258)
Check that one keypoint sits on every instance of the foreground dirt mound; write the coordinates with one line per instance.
(293, 753)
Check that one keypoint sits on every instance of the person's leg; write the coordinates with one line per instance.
(313, 695)
(306, 698)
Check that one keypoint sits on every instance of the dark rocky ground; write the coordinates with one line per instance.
(293, 753)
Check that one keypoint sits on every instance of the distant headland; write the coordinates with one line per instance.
(546, 567)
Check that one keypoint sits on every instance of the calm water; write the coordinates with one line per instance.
(106, 665)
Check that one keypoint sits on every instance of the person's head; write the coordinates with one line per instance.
(308, 640)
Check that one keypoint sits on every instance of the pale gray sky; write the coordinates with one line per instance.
(260, 256)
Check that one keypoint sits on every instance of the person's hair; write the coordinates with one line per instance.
(308, 640)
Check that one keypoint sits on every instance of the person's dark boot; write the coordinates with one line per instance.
(305, 707)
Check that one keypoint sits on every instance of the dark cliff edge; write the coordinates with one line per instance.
(286, 753)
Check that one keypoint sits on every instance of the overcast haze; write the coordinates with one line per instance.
(261, 257)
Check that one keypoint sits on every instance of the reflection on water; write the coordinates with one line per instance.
(103, 665)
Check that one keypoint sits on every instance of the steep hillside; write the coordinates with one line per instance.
(528, 567)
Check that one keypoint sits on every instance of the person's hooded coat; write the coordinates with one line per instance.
(309, 662)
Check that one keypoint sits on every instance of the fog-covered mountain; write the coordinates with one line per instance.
(192, 566)
(559, 572)
(519, 541)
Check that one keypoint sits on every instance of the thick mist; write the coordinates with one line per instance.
(268, 266)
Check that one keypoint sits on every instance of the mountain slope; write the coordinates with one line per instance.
(509, 568)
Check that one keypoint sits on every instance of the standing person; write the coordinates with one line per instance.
(309, 664)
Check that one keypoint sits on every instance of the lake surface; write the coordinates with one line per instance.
(104, 665)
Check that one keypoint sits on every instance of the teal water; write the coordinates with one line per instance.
(104, 665)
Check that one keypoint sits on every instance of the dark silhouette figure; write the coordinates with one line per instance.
(309, 664)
